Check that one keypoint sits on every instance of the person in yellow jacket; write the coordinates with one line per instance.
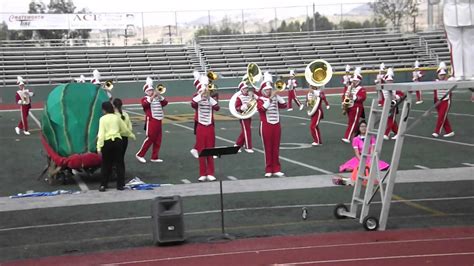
(110, 145)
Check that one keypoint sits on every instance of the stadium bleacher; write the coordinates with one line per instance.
(227, 55)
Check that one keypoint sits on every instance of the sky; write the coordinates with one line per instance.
(20, 6)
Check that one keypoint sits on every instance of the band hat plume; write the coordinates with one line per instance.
(390, 74)
(348, 68)
(95, 77)
(417, 64)
(382, 67)
(442, 69)
(292, 73)
(357, 74)
(148, 84)
(20, 80)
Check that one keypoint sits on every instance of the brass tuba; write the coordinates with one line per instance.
(318, 73)
(254, 74)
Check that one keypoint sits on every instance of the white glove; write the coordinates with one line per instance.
(354, 97)
(212, 101)
(328, 107)
(197, 98)
(20, 102)
(243, 107)
(266, 103)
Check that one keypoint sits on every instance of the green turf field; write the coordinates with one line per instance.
(89, 227)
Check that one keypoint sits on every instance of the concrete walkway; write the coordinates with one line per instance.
(211, 188)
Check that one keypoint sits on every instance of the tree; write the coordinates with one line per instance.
(57, 7)
(322, 23)
(349, 24)
(395, 10)
(293, 26)
(226, 27)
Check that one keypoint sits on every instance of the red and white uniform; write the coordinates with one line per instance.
(354, 113)
(380, 80)
(245, 137)
(153, 108)
(291, 84)
(205, 134)
(270, 130)
(392, 125)
(443, 109)
(346, 81)
(23, 98)
(318, 115)
(417, 75)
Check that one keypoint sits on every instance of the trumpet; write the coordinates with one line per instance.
(160, 88)
(109, 85)
(280, 85)
(212, 75)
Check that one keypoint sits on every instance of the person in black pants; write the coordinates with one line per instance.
(110, 145)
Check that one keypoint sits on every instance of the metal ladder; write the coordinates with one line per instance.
(376, 126)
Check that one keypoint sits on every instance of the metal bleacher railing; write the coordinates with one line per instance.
(51, 61)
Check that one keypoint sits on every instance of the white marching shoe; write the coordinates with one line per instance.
(194, 152)
(395, 137)
(202, 178)
(211, 178)
(268, 174)
(386, 137)
(449, 135)
(301, 107)
(249, 151)
(419, 102)
(315, 144)
(235, 145)
(435, 135)
(278, 174)
(345, 140)
(27, 133)
(156, 160)
(291, 109)
(140, 159)
(17, 130)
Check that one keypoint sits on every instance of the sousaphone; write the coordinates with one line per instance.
(253, 76)
(317, 73)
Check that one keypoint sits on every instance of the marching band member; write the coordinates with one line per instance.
(95, 77)
(270, 130)
(357, 95)
(267, 81)
(23, 98)
(205, 104)
(392, 118)
(417, 75)
(444, 105)
(152, 104)
(291, 84)
(312, 96)
(380, 80)
(81, 79)
(346, 80)
(243, 99)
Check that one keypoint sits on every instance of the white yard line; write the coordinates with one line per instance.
(186, 181)
(261, 151)
(409, 135)
(232, 178)
(421, 167)
(275, 207)
(469, 164)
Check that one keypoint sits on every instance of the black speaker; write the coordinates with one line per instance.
(167, 220)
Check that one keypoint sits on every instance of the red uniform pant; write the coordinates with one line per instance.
(442, 121)
(153, 137)
(314, 126)
(205, 138)
(24, 111)
(418, 96)
(271, 135)
(292, 97)
(391, 125)
(353, 116)
(245, 136)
